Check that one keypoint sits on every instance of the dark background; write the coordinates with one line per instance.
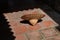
(51, 7)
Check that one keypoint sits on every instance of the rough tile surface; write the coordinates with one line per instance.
(44, 30)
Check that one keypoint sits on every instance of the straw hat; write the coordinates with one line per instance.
(33, 18)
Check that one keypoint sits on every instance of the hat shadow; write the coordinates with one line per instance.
(27, 22)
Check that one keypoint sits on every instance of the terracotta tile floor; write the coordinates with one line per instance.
(44, 30)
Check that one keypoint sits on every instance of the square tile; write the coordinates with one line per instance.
(48, 23)
(34, 28)
(52, 38)
(35, 35)
(21, 37)
(20, 30)
(57, 37)
(49, 32)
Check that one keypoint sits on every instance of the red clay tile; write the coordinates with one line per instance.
(57, 37)
(34, 35)
(12, 23)
(33, 28)
(47, 23)
(50, 38)
(49, 32)
(20, 37)
(20, 29)
(54, 38)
